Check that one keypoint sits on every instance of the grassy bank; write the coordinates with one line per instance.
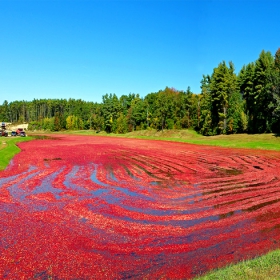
(8, 149)
(262, 268)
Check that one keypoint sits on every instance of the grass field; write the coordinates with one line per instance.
(264, 267)
(8, 149)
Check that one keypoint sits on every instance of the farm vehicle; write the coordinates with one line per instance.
(18, 132)
(3, 131)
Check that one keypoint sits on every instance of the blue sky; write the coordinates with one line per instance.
(85, 49)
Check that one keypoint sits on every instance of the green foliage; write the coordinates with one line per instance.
(169, 123)
(275, 104)
(165, 106)
(136, 114)
(207, 125)
(47, 124)
(4, 111)
(121, 124)
(262, 94)
(58, 123)
(223, 84)
(206, 107)
(111, 109)
(236, 116)
(244, 122)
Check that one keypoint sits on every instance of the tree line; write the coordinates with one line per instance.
(228, 103)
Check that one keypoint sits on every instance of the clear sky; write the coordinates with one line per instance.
(85, 49)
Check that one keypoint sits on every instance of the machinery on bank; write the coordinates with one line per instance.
(3, 131)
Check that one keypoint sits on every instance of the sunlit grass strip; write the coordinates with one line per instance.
(8, 149)
(264, 267)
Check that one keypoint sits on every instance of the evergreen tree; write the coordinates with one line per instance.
(4, 112)
(246, 87)
(263, 94)
(111, 109)
(150, 103)
(223, 85)
(237, 122)
(206, 126)
(276, 94)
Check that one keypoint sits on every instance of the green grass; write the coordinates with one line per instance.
(261, 268)
(8, 149)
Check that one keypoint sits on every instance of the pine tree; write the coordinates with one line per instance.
(206, 107)
(263, 93)
(223, 85)
(246, 87)
(111, 109)
(236, 116)
(276, 94)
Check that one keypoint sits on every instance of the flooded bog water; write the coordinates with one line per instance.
(110, 208)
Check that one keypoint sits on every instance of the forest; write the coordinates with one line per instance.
(247, 102)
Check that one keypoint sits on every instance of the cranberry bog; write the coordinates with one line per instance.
(85, 207)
